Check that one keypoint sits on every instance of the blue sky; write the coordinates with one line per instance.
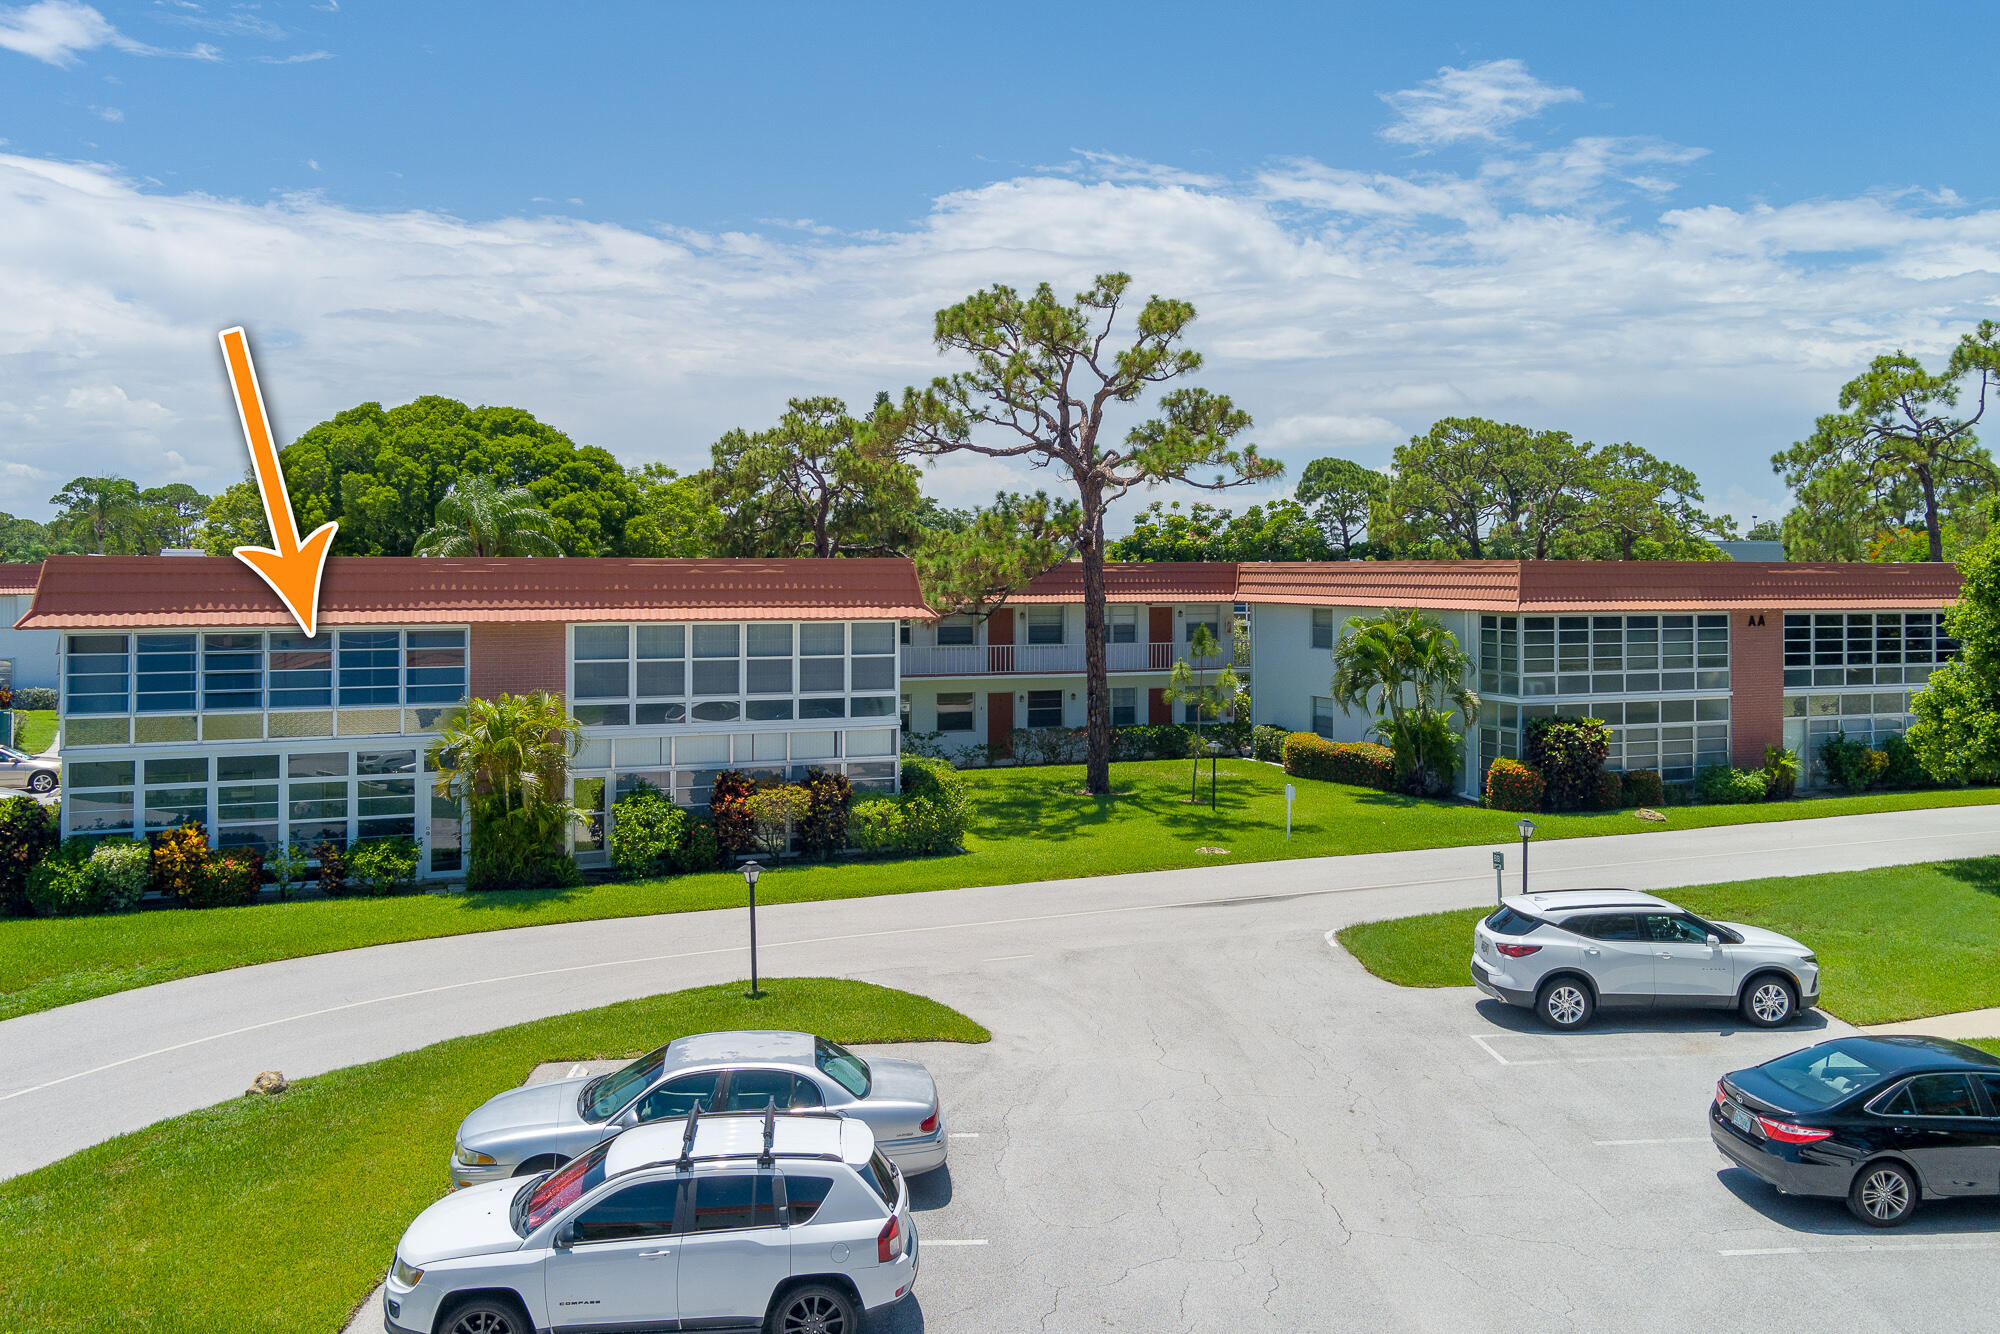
(1682, 225)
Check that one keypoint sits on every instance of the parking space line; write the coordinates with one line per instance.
(965, 1134)
(927, 1243)
(1629, 1143)
(1487, 1047)
(1006, 958)
(578, 1069)
(1867, 1246)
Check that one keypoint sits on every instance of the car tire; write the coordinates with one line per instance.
(485, 1315)
(1565, 1004)
(41, 782)
(1884, 1194)
(813, 1308)
(1769, 1002)
(546, 1162)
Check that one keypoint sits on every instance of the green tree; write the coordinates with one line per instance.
(382, 473)
(677, 516)
(100, 516)
(171, 516)
(1446, 488)
(1189, 684)
(1408, 670)
(477, 518)
(1900, 447)
(819, 483)
(1956, 736)
(1765, 530)
(235, 519)
(23, 541)
(1639, 507)
(1341, 494)
(992, 550)
(1282, 530)
(1045, 381)
(508, 760)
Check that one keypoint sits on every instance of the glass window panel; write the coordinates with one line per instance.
(768, 710)
(874, 674)
(169, 807)
(715, 641)
(98, 812)
(769, 641)
(1045, 626)
(660, 713)
(1642, 711)
(662, 641)
(873, 706)
(713, 676)
(873, 638)
(1710, 710)
(823, 708)
(246, 801)
(821, 639)
(770, 676)
(370, 666)
(715, 711)
(822, 674)
(954, 631)
(317, 766)
(664, 677)
(603, 680)
(1676, 710)
(599, 643)
(602, 715)
(386, 762)
(177, 770)
(100, 773)
(954, 712)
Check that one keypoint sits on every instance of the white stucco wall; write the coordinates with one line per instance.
(33, 651)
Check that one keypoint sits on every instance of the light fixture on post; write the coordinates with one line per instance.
(1214, 749)
(1527, 828)
(751, 870)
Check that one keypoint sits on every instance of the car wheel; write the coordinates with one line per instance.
(1769, 1001)
(1565, 1004)
(41, 782)
(485, 1315)
(1883, 1195)
(816, 1308)
(547, 1162)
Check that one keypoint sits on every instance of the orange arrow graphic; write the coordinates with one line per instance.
(294, 570)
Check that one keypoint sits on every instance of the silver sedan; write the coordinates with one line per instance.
(539, 1126)
(26, 773)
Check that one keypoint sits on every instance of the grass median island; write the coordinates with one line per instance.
(34, 730)
(1027, 824)
(281, 1213)
(1901, 942)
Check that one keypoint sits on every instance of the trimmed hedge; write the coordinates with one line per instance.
(1644, 788)
(1724, 786)
(1267, 743)
(1513, 786)
(384, 866)
(1360, 763)
(647, 831)
(1610, 790)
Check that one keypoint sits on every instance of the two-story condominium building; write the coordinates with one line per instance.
(188, 694)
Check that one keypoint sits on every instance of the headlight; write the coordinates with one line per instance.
(470, 1158)
(403, 1274)
(1812, 959)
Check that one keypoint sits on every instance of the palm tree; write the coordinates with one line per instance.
(508, 758)
(1188, 684)
(101, 515)
(478, 518)
(1409, 670)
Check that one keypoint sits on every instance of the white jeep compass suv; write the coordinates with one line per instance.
(772, 1222)
(1568, 952)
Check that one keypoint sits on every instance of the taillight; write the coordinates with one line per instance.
(1786, 1133)
(1721, 1093)
(889, 1241)
(929, 1124)
(1517, 951)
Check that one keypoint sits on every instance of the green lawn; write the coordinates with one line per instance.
(1903, 942)
(282, 1213)
(1029, 824)
(34, 729)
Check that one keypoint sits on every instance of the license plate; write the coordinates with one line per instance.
(1739, 1118)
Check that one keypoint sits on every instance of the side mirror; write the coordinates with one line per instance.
(565, 1237)
(1714, 939)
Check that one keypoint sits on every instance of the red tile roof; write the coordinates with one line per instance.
(19, 578)
(1138, 581)
(82, 592)
(1470, 585)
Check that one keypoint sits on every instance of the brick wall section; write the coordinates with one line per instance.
(516, 657)
(1756, 685)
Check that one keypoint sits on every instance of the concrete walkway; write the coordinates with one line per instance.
(77, 1075)
(1958, 1027)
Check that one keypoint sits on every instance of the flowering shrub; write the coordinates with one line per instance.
(728, 813)
(697, 850)
(1362, 763)
(1643, 788)
(77, 878)
(332, 861)
(1513, 786)
(28, 833)
(1610, 790)
(180, 864)
(233, 879)
(829, 796)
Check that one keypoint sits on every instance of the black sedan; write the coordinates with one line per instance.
(1882, 1121)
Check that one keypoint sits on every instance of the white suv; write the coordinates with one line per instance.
(1568, 952)
(785, 1223)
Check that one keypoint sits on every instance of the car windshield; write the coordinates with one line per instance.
(604, 1095)
(545, 1197)
(1822, 1075)
(6, 754)
(842, 1066)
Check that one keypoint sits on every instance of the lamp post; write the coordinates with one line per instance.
(1527, 828)
(751, 870)
(1214, 749)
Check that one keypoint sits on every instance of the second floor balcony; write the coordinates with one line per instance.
(1039, 659)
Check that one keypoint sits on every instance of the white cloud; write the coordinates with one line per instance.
(1346, 310)
(55, 31)
(296, 58)
(1478, 103)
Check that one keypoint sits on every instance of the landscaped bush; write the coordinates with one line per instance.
(1781, 773)
(1721, 785)
(829, 796)
(384, 866)
(232, 880)
(698, 850)
(1568, 753)
(1267, 743)
(78, 879)
(1046, 745)
(332, 859)
(1151, 741)
(728, 813)
(520, 847)
(1643, 788)
(29, 832)
(1901, 767)
(875, 824)
(940, 825)
(289, 865)
(1610, 790)
(35, 699)
(931, 745)
(1513, 786)
(1361, 763)
(646, 832)
(775, 812)
(180, 864)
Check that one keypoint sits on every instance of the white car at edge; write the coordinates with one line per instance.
(787, 1223)
(1567, 953)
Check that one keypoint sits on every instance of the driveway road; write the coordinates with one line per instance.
(74, 1076)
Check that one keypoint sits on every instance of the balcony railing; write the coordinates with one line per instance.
(1034, 659)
